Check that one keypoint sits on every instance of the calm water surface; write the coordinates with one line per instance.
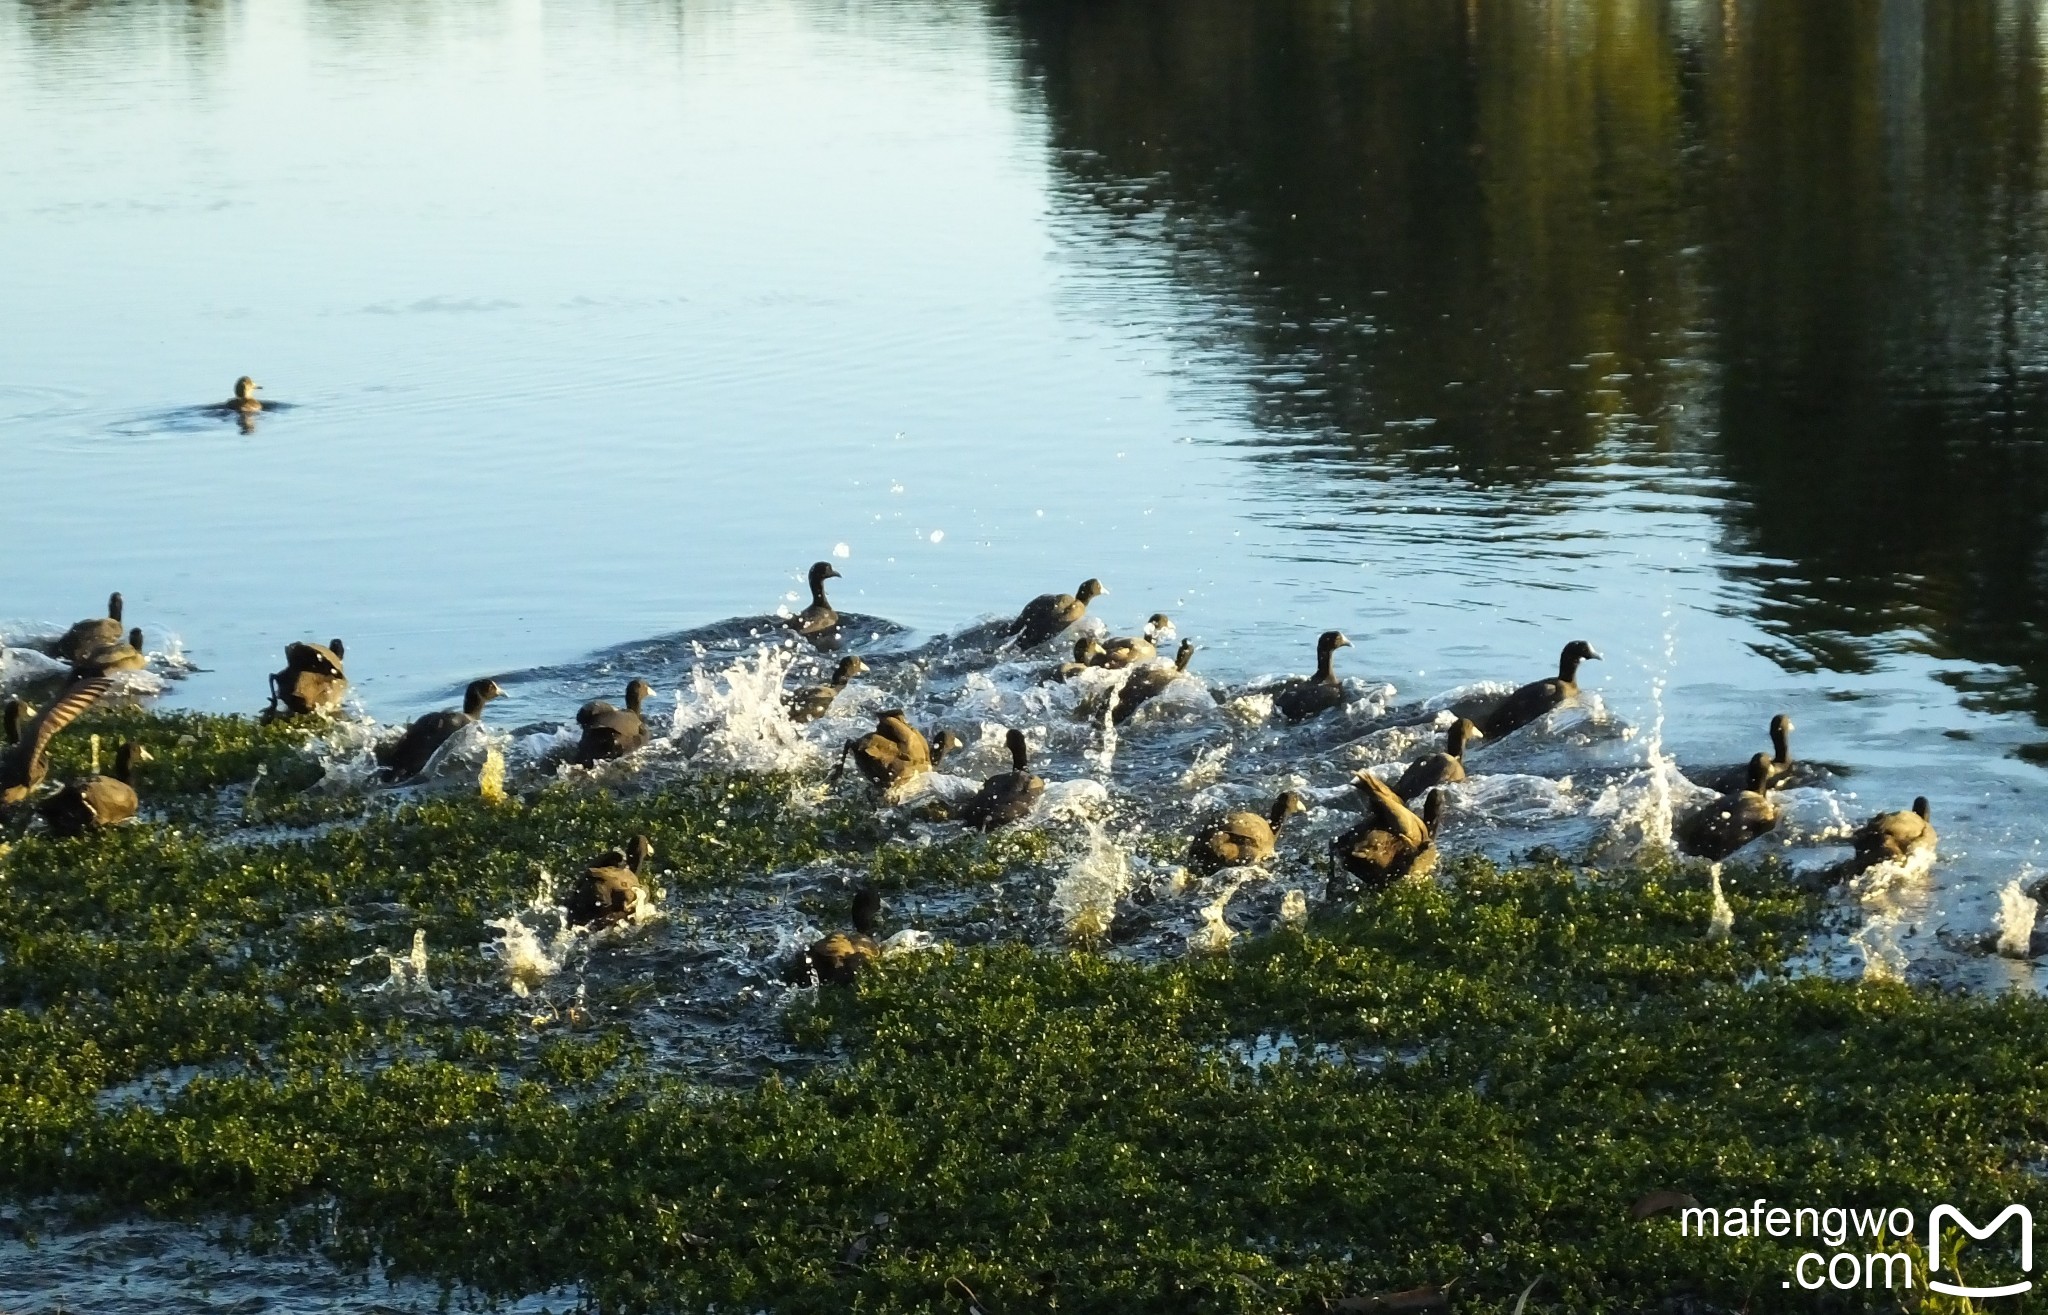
(1714, 333)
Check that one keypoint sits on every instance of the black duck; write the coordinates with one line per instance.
(1148, 682)
(1048, 614)
(1446, 768)
(609, 890)
(818, 619)
(809, 704)
(1009, 797)
(312, 682)
(837, 959)
(1733, 820)
(1541, 696)
(92, 802)
(87, 637)
(1242, 839)
(127, 656)
(1784, 771)
(1298, 700)
(610, 732)
(1391, 842)
(407, 756)
(1129, 651)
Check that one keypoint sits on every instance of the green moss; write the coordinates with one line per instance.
(1484, 1074)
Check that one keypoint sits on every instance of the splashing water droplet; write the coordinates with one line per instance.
(2017, 913)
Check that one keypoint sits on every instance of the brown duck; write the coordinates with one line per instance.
(1150, 681)
(1087, 654)
(818, 619)
(610, 732)
(128, 656)
(1446, 768)
(407, 756)
(1302, 699)
(894, 752)
(87, 637)
(25, 763)
(609, 890)
(1009, 797)
(1538, 697)
(92, 802)
(312, 682)
(1889, 838)
(1129, 651)
(837, 959)
(1733, 820)
(1242, 839)
(1048, 614)
(245, 399)
(1391, 842)
(1731, 779)
(814, 701)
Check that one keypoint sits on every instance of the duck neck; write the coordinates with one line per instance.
(473, 705)
(1326, 666)
(1568, 668)
(1781, 743)
(818, 593)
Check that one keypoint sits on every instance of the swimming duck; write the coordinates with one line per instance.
(813, 702)
(1889, 838)
(1300, 699)
(1127, 652)
(87, 637)
(1391, 842)
(1728, 780)
(894, 752)
(245, 399)
(610, 732)
(406, 757)
(1733, 820)
(1087, 654)
(128, 656)
(842, 956)
(1150, 681)
(608, 892)
(25, 764)
(312, 681)
(819, 618)
(1539, 697)
(1008, 797)
(92, 802)
(1242, 839)
(1446, 768)
(1048, 614)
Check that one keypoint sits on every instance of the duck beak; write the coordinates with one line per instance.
(1594, 654)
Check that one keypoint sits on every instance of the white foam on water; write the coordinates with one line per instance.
(1294, 909)
(734, 717)
(1084, 896)
(1721, 922)
(2017, 914)
(347, 752)
(25, 666)
(1213, 935)
(527, 961)
(407, 971)
(1514, 798)
(1208, 767)
(1467, 696)
(909, 941)
(1077, 800)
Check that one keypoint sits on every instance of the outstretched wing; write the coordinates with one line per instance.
(1393, 814)
(69, 707)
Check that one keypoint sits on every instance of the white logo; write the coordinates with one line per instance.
(1934, 1218)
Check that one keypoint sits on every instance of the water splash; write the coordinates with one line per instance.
(2017, 914)
(490, 780)
(1294, 909)
(1084, 898)
(1721, 922)
(1214, 935)
(407, 972)
(734, 717)
(526, 961)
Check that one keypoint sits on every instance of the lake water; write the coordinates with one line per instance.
(1716, 334)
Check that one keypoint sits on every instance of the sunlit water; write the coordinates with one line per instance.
(1714, 336)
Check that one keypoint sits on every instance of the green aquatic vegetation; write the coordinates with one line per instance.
(1468, 1080)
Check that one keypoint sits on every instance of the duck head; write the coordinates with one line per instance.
(821, 572)
(1463, 731)
(1781, 736)
(334, 645)
(1087, 649)
(1759, 777)
(848, 668)
(479, 693)
(135, 638)
(1574, 653)
(1158, 624)
(1920, 807)
(1090, 590)
(867, 910)
(1433, 811)
(637, 693)
(945, 744)
(1288, 804)
(246, 389)
(1185, 655)
(1330, 641)
(1020, 752)
(114, 606)
(638, 850)
(125, 760)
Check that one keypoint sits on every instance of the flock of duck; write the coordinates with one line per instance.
(1391, 841)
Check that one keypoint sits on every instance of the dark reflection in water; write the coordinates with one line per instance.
(1800, 247)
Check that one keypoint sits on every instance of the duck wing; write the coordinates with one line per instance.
(1522, 707)
(1394, 815)
(67, 708)
(1425, 774)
